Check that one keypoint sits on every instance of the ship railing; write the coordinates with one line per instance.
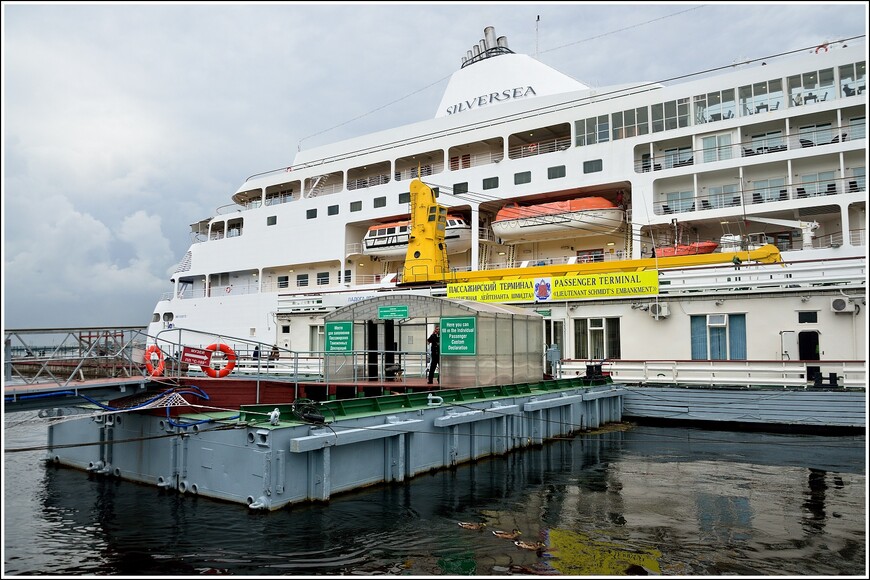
(353, 248)
(365, 182)
(424, 171)
(792, 275)
(806, 374)
(485, 234)
(776, 190)
(539, 147)
(770, 143)
(858, 237)
(65, 357)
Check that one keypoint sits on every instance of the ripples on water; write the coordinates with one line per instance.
(673, 501)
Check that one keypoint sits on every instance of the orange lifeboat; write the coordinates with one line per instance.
(583, 216)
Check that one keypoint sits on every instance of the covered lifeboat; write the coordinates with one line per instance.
(390, 240)
(583, 216)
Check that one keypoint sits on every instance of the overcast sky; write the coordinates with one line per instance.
(125, 123)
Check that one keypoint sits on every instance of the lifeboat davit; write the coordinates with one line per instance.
(687, 249)
(391, 240)
(584, 216)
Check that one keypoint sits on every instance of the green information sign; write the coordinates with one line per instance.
(459, 336)
(339, 336)
(385, 312)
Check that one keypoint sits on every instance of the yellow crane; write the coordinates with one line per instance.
(426, 259)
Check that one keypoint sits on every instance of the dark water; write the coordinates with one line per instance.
(629, 500)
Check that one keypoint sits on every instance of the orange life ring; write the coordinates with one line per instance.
(231, 361)
(158, 370)
(820, 47)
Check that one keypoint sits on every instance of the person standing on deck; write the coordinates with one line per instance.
(434, 341)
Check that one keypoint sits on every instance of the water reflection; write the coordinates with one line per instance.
(639, 500)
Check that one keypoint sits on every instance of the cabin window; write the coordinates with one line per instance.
(678, 156)
(596, 338)
(405, 197)
(769, 142)
(853, 78)
(556, 172)
(679, 201)
(322, 278)
(317, 338)
(283, 281)
(460, 188)
(301, 280)
(768, 190)
(311, 214)
(717, 147)
(760, 97)
(630, 123)
(718, 337)
(490, 183)
(380, 202)
(721, 196)
(332, 210)
(810, 87)
(593, 166)
(155, 317)
(715, 106)
(811, 317)
(347, 276)
(356, 206)
(670, 115)
(271, 220)
(592, 130)
(857, 128)
(523, 177)
(822, 183)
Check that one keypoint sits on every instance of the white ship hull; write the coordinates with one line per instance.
(292, 248)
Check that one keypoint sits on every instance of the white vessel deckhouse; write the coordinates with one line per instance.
(767, 154)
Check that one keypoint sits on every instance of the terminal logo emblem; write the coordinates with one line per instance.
(543, 290)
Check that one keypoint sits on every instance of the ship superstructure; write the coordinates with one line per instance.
(743, 158)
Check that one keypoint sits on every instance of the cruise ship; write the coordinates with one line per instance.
(688, 179)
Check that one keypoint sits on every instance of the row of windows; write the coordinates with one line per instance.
(713, 337)
(523, 177)
(762, 97)
(302, 279)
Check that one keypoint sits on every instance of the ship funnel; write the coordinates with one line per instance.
(487, 47)
(489, 37)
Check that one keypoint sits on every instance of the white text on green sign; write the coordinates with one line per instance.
(339, 336)
(459, 336)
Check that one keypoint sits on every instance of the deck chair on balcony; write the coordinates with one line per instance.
(806, 143)
(756, 198)
(832, 189)
(801, 192)
(705, 204)
(853, 187)
(783, 194)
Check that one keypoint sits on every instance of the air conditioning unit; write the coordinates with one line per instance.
(659, 310)
(842, 305)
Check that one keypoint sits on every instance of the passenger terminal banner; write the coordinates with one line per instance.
(554, 288)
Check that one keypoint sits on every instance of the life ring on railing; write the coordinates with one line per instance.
(229, 289)
(822, 47)
(152, 370)
(231, 361)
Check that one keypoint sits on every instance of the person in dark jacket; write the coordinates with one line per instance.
(434, 341)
